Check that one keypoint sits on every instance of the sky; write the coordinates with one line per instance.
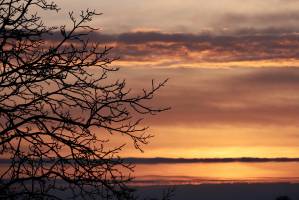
(232, 67)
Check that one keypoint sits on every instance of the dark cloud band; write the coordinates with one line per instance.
(250, 45)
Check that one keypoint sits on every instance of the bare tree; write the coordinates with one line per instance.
(58, 107)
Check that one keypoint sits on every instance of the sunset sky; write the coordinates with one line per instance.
(232, 67)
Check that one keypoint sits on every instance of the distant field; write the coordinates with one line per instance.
(225, 191)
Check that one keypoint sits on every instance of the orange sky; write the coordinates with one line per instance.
(233, 112)
(233, 69)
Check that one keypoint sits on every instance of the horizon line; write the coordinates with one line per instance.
(168, 160)
(165, 160)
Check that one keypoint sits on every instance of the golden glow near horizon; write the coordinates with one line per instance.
(221, 142)
(235, 112)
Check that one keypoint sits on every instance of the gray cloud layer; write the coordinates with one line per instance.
(188, 16)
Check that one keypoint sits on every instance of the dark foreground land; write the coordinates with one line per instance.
(225, 191)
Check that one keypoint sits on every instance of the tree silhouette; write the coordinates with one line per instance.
(58, 108)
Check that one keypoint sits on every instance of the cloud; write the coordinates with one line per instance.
(256, 96)
(280, 18)
(188, 16)
(174, 49)
(207, 48)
